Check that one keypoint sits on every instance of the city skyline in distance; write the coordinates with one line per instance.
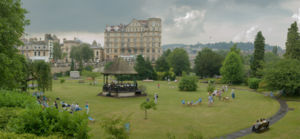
(188, 22)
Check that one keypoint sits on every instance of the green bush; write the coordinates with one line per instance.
(62, 81)
(6, 113)
(211, 86)
(253, 83)
(15, 99)
(50, 121)
(188, 83)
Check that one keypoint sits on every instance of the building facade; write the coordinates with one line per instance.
(38, 49)
(139, 37)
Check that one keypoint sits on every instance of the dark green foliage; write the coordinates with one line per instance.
(115, 128)
(5, 115)
(126, 77)
(62, 81)
(188, 83)
(232, 70)
(258, 56)
(179, 61)
(166, 75)
(33, 119)
(147, 105)
(72, 65)
(57, 52)
(42, 73)
(107, 65)
(253, 83)
(12, 65)
(161, 64)
(293, 43)
(144, 69)
(284, 75)
(15, 99)
(208, 63)
(271, 57)
(50, 121)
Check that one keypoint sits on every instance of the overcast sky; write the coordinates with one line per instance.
(184, 21)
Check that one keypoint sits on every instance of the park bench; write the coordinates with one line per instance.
(262, 127)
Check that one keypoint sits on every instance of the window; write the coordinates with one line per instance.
(116, 50)
(97, 53)
(34, 53)
(39, 53)
(153, 50)
(44, 53)
(148, 50)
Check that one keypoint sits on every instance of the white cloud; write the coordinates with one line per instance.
(296, 16)
(247, 35)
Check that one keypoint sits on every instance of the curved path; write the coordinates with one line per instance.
(280, 114)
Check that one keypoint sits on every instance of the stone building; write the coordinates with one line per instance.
(66, 48)
(38, 49)
(138, 37)
(98, 52)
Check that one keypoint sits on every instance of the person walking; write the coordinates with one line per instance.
(87, 107)
(232, 94)
(55, 104)
(155, 98)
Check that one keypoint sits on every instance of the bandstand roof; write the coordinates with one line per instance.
(119, 67)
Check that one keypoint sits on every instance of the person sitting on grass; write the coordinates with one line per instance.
(182, 102)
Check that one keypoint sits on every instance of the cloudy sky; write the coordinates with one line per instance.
(184, 21)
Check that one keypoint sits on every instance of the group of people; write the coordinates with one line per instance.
(262, 123)
(191, 103)
(44, 102)
(218, 93)
(118, 87)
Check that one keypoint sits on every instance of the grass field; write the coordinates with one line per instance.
(286, 128)
(170, 116)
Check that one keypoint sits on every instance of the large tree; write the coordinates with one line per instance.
(179, 61)
(283, 75)
(144, 68)
(293, 43)
(42, 74)
(57, 53)
(258, 56)
(208, 63)
(12, 23)
(161, 64)
(232, 70)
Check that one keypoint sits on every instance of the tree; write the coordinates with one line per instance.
(13, 72)
(147, 105)
(87, 52)
(293, 43)
(188, 83)
(271, 57)
(283, 75)
(179, 61)
(232, 69)
(42, 73)
(259, 53)
(72, 65)
(275, 50)
(57, 53)
(92, 75)
(161, 64)
(211, 86)
(115, 128)
(208, 63)
(144, 68)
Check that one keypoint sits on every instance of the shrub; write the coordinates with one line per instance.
(253, 83)
(211, 86)
(188, 83)
(5, 114)
(89, 68)
(11, 135)
(15, 99)
(62, 81)
(49, 121)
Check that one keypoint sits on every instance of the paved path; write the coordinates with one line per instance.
(280, 113)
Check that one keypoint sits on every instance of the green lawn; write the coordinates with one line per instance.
(170, 116)
(286, 128)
